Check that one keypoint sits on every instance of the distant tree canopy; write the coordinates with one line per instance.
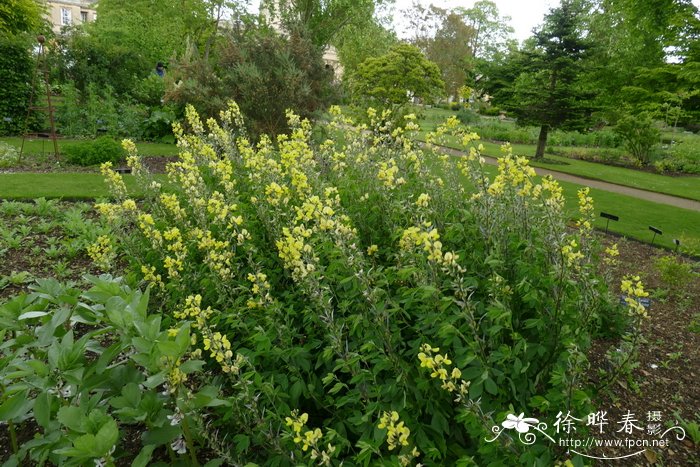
(18, 16)
(358, 42)
(550, 91)
(19, 20)
(459, 41)
(621, 57)
(323, 20)
(265, 72)
(392, 79)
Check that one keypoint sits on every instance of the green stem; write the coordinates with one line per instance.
(190, 443)
(171, 453)
(624, 364)
(13, 436)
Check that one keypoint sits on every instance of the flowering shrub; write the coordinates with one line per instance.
(301, 288)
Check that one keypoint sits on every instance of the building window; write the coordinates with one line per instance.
(84, 16)
(66, 17)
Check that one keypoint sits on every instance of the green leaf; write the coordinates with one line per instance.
(71, 417)
(190, 366)
(107, 356)
(144, 457)
(295, 392)
(490, 386)
(42, 409)
(439, 423)
(107, 437)
(31, 314)
(15, 406)
(162, 435)
(183, 339)
(242, 443)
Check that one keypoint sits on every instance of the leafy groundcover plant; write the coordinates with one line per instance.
(350, 301)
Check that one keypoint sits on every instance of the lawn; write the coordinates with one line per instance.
(44, 146)
(60, 185)
(683, 187)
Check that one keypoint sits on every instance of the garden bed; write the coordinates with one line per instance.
(293, 304)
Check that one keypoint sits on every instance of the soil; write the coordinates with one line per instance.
(43, 164)
(157, 164)
(666, 379)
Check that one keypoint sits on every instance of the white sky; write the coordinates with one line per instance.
(525, 14)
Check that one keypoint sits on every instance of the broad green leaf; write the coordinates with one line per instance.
(144, 457)
(15, 406)
(32, 314)
(71, 417)
(160, 436)
(107, 437)
(42, 409)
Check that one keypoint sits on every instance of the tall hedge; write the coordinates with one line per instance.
(16, 68)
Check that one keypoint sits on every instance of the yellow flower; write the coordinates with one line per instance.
(102, 253)
(634, 289)
(397, 433)
(423, 200)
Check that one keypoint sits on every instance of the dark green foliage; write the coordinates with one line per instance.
(16, 70)
(269, 74)
(18, 16)
(358, 43)
(87, 58)
(99, 111)
(639, 134)
(324, 21)
(102, 149)
(264, 72)
(390, 79)
(551, 93)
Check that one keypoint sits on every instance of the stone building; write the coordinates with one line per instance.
(70, 12)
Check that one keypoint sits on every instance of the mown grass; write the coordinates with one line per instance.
(73, 186)
(44, 146)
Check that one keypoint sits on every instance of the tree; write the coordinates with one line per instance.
(392, 79)
(358, 42)
(450, 49)
(643, 51)
(265, 72)
(445, 39)
(423, 22)
(552, 92)
(323, 20)
(492, 33)
(129, 37)
(17, 16)
(16, 67)
(639, 135)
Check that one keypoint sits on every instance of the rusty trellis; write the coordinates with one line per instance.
(41, 73)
